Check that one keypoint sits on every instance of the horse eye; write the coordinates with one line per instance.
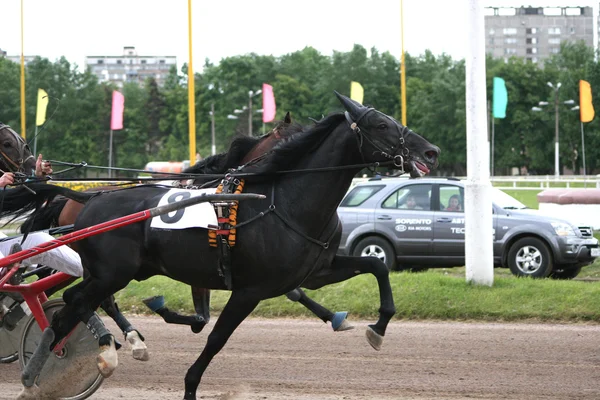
(6, 144)
(382, 126)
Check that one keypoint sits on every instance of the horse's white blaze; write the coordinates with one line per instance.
(138, 347)
(107, 360)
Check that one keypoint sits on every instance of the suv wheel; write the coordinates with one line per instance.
(374, 246)
(530, 257)
(565, 273)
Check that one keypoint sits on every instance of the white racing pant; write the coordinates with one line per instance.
(61, 258)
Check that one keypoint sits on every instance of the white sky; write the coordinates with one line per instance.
(223, 28)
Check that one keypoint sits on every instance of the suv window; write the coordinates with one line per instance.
(411, 197)
(452, 198)
(359, 195)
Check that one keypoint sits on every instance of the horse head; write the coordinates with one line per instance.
(382, 138)
(15, 155)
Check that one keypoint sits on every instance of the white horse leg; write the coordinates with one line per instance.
(138, 347)
(107, 360)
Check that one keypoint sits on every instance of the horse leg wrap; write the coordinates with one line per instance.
(107, 360)
(37, 361)
(96, 326)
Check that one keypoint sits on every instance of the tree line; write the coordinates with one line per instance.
(156, 118)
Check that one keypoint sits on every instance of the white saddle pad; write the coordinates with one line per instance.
(197, 216)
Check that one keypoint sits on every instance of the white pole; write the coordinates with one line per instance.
(492, 145)
(478, 189)
(110, 146)
(582, 147)
(213, 149)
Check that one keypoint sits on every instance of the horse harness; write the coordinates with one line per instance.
(223, 236)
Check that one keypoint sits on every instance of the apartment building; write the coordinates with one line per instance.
(535, 33)
(130, 67)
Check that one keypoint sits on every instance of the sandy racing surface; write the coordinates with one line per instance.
(304, 359)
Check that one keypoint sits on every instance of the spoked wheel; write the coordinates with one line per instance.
(9, 338)
(75, 367)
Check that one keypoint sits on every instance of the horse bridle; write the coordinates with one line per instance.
(15, 165)
(391, 152)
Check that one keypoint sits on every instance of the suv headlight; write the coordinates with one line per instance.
(563, 229)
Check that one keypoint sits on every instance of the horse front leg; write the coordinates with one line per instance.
(345, 267)
(239, 306)
(201, 299)
(139, 350)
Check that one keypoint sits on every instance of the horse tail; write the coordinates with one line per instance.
(46, 217)
(15, 203)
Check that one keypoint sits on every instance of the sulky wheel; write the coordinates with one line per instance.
(11, 327)
(75, 367)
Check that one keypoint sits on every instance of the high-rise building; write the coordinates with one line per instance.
(535, 33)
(130, 67)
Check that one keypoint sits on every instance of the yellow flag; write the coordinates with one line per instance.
(42, 104)
(356, 92)
(586, 108)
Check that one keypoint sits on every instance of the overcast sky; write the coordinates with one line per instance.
(80, 28)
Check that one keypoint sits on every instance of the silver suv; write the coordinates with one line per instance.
(413, 224)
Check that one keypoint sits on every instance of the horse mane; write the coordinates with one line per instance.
(296, 143)
(275, 151)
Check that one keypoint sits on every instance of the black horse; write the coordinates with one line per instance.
(291, 241)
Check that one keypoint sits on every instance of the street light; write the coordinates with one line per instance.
(556, 103)
(251, 94)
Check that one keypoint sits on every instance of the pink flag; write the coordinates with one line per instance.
(118, 105)
(268, 103)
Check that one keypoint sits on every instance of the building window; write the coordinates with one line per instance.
(492, 31)
(143, 61)
(554, 41)
(572, 30)
(531, 41)
(554, 31)
(531, 31)
(574, 11)
(510, 40)
(162, 61)
(555, 50)
(510, 51)
(491, 41)
(509, 31)
(100, 62)
(534, 59)
(532, 50)
(119, 62)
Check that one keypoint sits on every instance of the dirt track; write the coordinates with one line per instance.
(304, 359)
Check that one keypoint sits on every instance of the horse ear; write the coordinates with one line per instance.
(353, 107)
(288, 118)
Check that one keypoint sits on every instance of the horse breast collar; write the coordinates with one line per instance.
(223, 238)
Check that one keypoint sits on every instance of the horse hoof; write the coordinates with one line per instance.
(339, 323)
(344, 326)
(107, 361)
(139, 350)
(29, 393)
(374, 338)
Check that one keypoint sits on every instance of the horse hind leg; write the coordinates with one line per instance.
(201, 299)
(139, 350)
(338, 319)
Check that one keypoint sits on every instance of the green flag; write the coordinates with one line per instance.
(500, 99)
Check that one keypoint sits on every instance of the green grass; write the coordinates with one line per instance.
(436, 294)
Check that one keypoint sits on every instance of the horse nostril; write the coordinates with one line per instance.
(431, 154)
